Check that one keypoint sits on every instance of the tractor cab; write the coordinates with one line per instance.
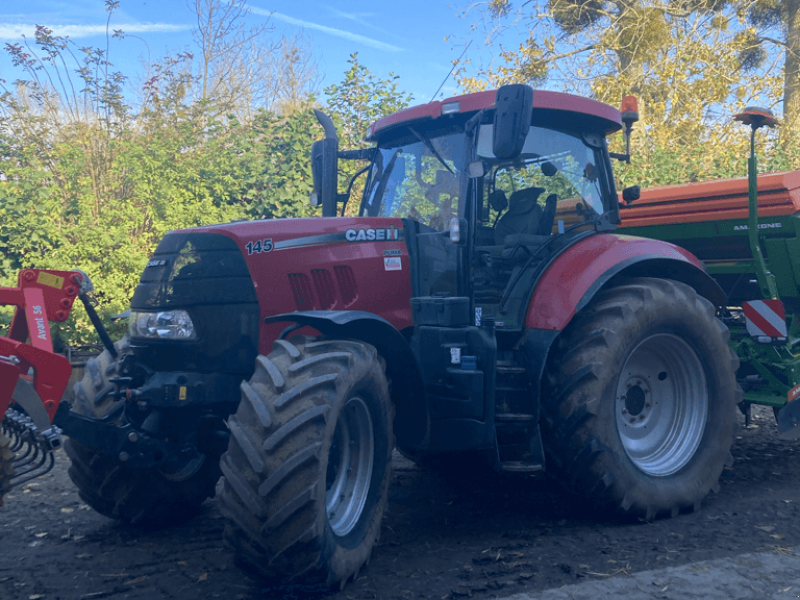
(491, 189)
(487, 199)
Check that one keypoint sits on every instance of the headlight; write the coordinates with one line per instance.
(164, 325)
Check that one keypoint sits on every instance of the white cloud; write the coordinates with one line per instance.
(353, 37)
(359, 18)
(16, 31)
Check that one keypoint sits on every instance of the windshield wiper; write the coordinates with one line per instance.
(430, 147)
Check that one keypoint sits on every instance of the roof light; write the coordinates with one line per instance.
(451, 108)
(629, 109)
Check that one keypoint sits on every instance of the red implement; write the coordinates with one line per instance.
(27, 351)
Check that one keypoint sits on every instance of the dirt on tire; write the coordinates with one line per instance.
(473, 539)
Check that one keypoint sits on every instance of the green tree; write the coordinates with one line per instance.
(359, 100)
(773, 33)
(683, 59)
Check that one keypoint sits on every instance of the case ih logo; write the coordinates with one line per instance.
(372, 235)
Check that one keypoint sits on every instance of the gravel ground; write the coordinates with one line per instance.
(492, 537)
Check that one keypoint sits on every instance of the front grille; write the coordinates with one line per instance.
(206, 275)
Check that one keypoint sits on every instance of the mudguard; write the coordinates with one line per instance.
(411, 422)
(576, 275)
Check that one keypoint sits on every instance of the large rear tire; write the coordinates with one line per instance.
(309, 462)
(640, 399)
(145, 497)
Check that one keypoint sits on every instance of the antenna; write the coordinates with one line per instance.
(450, 73)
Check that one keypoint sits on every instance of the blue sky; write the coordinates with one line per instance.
(407, 38)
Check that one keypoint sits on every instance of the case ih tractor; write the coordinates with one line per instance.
(456, 319)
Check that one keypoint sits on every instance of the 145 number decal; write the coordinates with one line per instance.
(259, 246)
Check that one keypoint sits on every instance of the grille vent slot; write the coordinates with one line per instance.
(301, 288)
(325, 290)
(347, 284)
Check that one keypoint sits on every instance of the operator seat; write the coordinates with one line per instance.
(522, 217)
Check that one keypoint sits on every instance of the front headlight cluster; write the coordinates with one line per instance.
(162, 325)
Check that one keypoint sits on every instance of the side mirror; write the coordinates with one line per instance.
(630, 194)
(325, 168)
(513, 109)
(548, 169)
(325, 172)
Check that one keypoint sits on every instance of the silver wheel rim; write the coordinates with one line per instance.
(350, 462)
(661, 404)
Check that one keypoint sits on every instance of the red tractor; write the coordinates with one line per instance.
(456, 319)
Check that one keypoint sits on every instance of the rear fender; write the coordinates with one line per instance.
(573, 279)
(411, 422)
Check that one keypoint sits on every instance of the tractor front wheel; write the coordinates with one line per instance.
(309, 462)
(640, 399)
(144, 497)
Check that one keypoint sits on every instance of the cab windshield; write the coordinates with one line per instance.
(422, 180)
(426, 180)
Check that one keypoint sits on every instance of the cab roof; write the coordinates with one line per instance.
(599, 116)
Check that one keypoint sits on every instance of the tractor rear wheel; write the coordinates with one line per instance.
(640, 399)
(144, 497)
(309, 462)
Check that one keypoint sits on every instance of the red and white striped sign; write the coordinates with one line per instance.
(765, 318)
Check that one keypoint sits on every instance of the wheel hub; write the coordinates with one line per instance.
(661, 404)
(350, 463)
(637, 404)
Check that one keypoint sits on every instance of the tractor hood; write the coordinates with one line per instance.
(280, 266)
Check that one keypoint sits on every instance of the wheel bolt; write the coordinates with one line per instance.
(648, 404)
(624, 411)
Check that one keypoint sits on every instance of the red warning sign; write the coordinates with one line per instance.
(793, 393)
(765, 318)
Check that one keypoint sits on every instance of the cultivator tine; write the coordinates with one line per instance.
(31, 453)
(33, 449)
